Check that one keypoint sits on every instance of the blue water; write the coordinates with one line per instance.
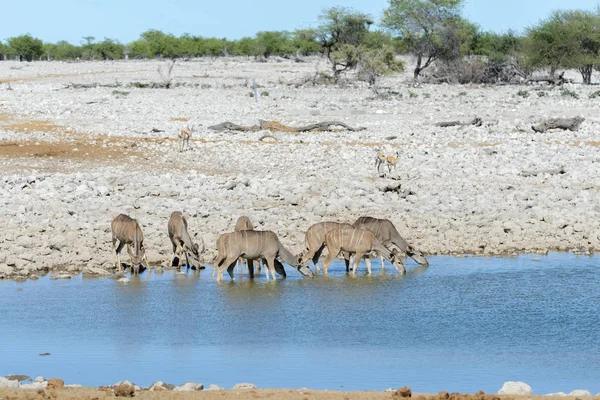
(463, 324)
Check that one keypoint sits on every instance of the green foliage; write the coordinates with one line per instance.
(264, 94)
(347, 42)
(268, 43)
(109, 49)
(63, 50)
(305, 41)
(431, 29)
(569, 93)
(594, 94)
(497, 47)
(25, 47)
(523, 93)
(412, 95)
(374, 63)
(567, 39)
(161, 44)
(462, 94)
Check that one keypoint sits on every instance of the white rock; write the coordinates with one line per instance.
(39, 379)
(95, 271)
(123, 280)
(244, 386)
(214, 387)
(5, 383)
(189, 387)
(580, 393)
(73, 385)
(515, 388)
(557, 394)
(34, 385)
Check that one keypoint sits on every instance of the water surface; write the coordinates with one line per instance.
(463, 324)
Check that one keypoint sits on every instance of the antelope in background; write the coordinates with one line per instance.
(184, 138)
(391, 161)
(182, 242)
(255, 245)
(385, 231)
(380, 159)
(128, 232)
(359, 242)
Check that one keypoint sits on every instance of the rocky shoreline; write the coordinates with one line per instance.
(72, 159)
(128, 389)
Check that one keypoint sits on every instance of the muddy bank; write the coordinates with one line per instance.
(72, 159)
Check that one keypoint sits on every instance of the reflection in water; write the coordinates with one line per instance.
(461, 324)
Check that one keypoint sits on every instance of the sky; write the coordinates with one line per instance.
(125, 20)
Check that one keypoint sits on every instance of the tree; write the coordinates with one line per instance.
(161, 44)
(109, 49)
(26, 47)
(497, 46)
(431, 28)
(341, 33)
(567, 39)
(273, 42)
(305, 41)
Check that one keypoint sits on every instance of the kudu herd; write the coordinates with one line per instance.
(367, 237)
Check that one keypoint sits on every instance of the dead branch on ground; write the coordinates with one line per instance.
(571, 124)
(276, 126)
(476, 122)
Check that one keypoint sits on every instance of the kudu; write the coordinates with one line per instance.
(255, 245)
(243, 223)
(388, 235)
(182, 242)
(359, 242)
(222, 249)
(314, 241)
(128, 232)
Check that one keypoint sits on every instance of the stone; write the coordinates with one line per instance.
(214, 387)
(34, 385)
(95, 271)
(55, 383)
(124, 389)
(39, 379)
(19, 378)
(189, 387)
(580, 393)
(244, 386)
(8, 383)
(557, 394)
(403, 392)
(123, 280)
(512, 387)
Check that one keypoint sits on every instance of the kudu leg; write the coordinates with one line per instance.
(271, 267)
(330, 256)
(368, 263)
(358, 257)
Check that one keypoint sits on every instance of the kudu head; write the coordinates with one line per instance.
(416, 255)
(396, 260)
(195, 251)
(304, 269)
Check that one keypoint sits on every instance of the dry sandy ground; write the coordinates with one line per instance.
(275, 394)
(72, 159)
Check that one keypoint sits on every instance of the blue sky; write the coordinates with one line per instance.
(124, 20)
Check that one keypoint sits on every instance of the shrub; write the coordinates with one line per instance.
(523, 93)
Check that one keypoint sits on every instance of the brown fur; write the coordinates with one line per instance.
(358, 242)
(128, 232)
